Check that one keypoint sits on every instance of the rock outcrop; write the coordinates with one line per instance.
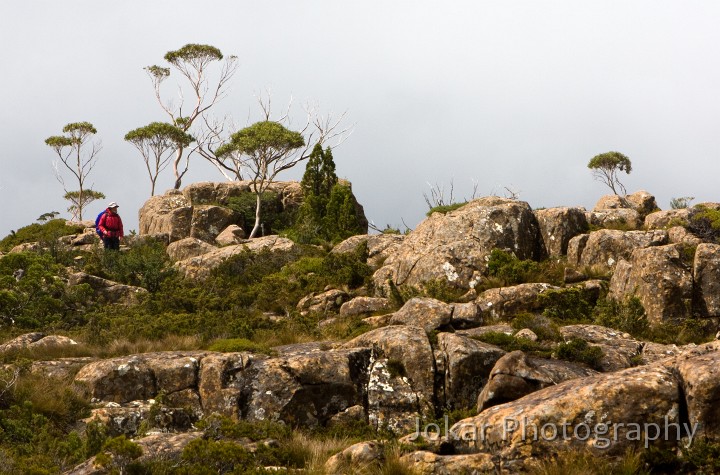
(706, 272)
(201, 209)
(558, 226)
(107, 290)
(199, 267)
(660, 279)
(453, 247)
(517, 374)
(603, 249)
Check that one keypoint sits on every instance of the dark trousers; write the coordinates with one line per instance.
(111, 243)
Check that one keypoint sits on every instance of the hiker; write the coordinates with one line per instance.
(110, 227)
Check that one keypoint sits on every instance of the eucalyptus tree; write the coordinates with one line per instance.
(79, 154)
(264, 149)
(606, 166)
(158, 143)
(193, 62)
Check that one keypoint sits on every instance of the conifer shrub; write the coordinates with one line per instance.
(328, 212)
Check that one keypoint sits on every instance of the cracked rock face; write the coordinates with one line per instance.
(454, 247)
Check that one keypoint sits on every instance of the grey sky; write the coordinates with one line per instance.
(508, 93)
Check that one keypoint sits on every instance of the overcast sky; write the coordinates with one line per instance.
(517, 94)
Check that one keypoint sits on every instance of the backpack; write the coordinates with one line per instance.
(97, 223)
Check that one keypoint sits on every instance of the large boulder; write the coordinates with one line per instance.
(140, 377)
(659, 278)
(619, 349)
(624, 218)
(200, 267)
(365, 306)
(641, 201)
(188, 248)
(467, 363)
(392, 401)
(107, 290)
(666, 219)
(408, 349)
(169, 214)
(700, 379)
(603, 249)
(706, 272)
(306, 390)
(424, 462)
(221, 378)
(504, 302)
(453, 247)
(208, 221)
(233, 234)
(517, 374)
(379, 246)
(558, 226)
(605, 413)
(328, 301)
(428, 313)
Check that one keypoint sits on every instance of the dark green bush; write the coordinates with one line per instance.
(578, 350)
(705, 223)
(274, 216)
(566, 305)
(507, 267)
(144, 265)
(627, 316)
(33, 294)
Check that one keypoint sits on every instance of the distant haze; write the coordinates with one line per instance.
(506, 94)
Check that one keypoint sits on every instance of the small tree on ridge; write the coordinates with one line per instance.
(606, 166)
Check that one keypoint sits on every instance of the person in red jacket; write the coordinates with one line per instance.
(111, 227)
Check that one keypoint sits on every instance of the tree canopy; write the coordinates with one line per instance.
(606, 166)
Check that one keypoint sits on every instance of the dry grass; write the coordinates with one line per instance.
(315, 452)
(169, 343)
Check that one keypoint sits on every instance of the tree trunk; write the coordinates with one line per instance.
(257, 216)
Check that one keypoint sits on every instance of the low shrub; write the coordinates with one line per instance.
(566, 305)
(230, 345)
(579, 351)
(627, 316)
(46, 234)
(510, 343)
(542, 326)
(445, 209)
(705, 223)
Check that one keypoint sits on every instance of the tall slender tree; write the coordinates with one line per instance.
(265, 149)
(158, 142)
(193, 62)
(78, 153)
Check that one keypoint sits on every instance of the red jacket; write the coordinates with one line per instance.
(110, 224)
